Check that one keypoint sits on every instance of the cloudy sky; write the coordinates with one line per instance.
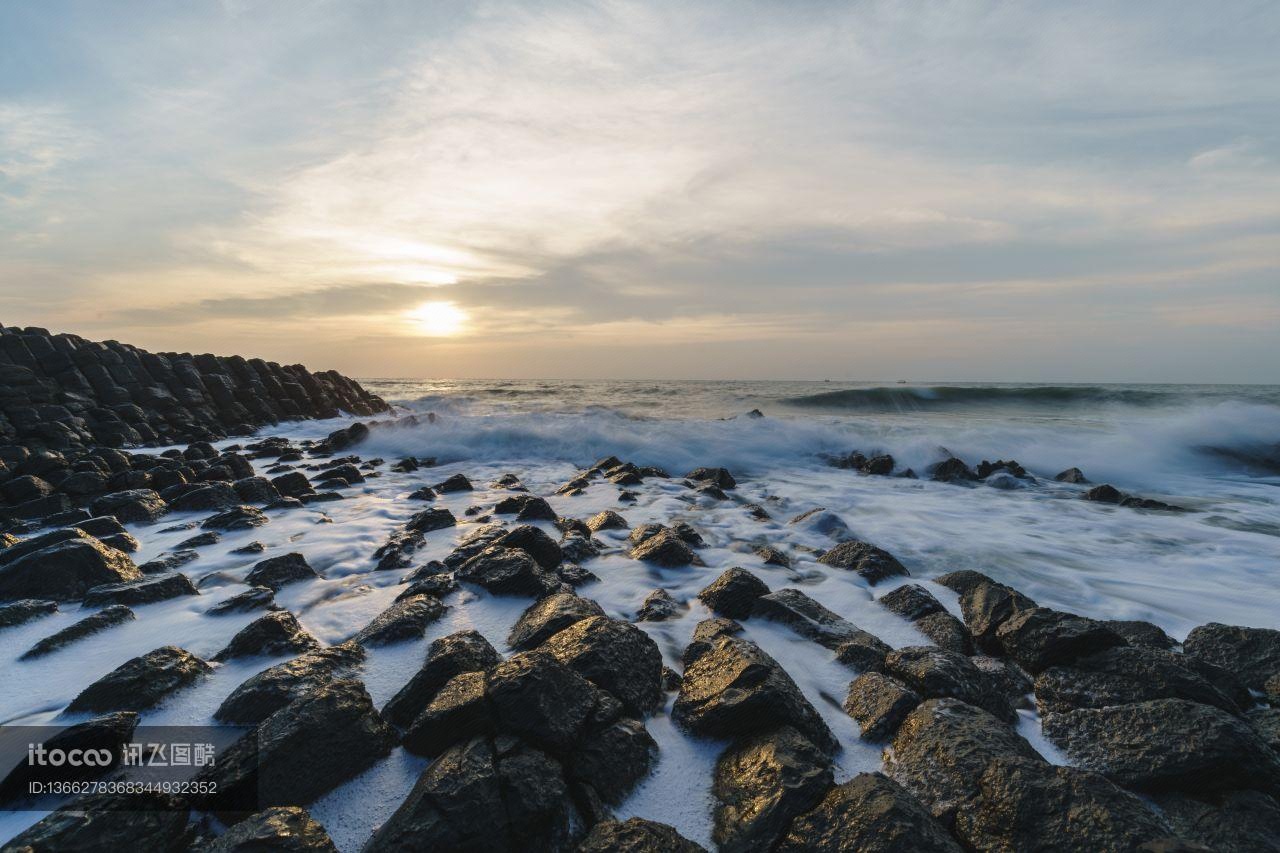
(950, 190)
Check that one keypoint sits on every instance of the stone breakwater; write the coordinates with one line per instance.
(62, 392)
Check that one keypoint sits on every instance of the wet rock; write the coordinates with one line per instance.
(134, 506)
(277, 633)
(62, 570)
(436, 518)
(864, 652)
(962, 581)
(25, 610)
(526, 508)
(734, 689)
(1166, 744)
(426, 493)
(87, 626)
(1071, 475)
(705, 635)
(25, 488)
(579, 549)
(658, 606)
(871, 563)
(1122, 675)
(534, 542)
(145, 590)
(719, 477)
(142, 682)
(947, 632)
(952, 470)
(607, 520)
(254, 598)
(506, 571)
(275, 687)
(614, 655)
(251, 548)
(1253, 653)
(447, 657)
(283, 829)
(549, 615)
(810, 619)
(456, 483)
(255, 490)
(1026, 805)
(103, 525)
(458, 711)
(1006, 677)
(912, 602)
(734, 593)
(294, 484)
(113, 822)
(473, 542)
(823, 521)
(688, 534)
(485, 794)
(200, 540)
(1137, 633)
(406, 619)
(205, 498)
(168, 563)
(936, 674)
(942, 749)
(1105, 493)
(986, 606)
(276, 572)
(237, 518)
(610, 758)
(665, 549)
(868, 814)
(636, 835)
(761, 784)
(303, 750)
(771, 556)
(1038, 638)
(109, 732)
(879, 703)
(1228, 822)
(535, 696)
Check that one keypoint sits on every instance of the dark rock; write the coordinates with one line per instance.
(1143, 634)
(425, 493)
(526, 508)
(548, 616)
(1006, 677)
(473, 542)
(99, 621)
(254, 598)
(987, 606)
(24, 611)
(535, 543)
(275, 572)
(134, 506)
(607, 520)
(1253, 653)
(447, 657)
(952, 470)
(734, 593)
(762, 784)
(506, 571)
(121, 542)
(868, 814)
(1126, 674)
(406, 619)
(237, 518)
(109, 822)
(109, 733)
(912, 602)
(614, 655)
(946, 631)
(305, 749)
(1105, 493)
(63, 570)
(102, 525)
(205, 498)
(610, 758)
(962, 581)
(665, 549)
(534, 696)
(275, 687)
(1038, 638)
(436, 518)
(1071, 475)
(636, 835)
(25, 488)
(1166, 744)
(771, 556)
(1229, 822)
(145, 590)
(658, 606)
(456, 483)
(200, 540)
(142, 682)
(251, 548)
(458, 711)
(936, 674)
(167, 563)
(879, 703)
(734, 689)
(810, 619)
(717, 476)
(705, 635)
(293, 484)
(277, 633)
(255, 490)
(871, 563)
(281, 829)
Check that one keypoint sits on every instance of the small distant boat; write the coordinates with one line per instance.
(902, 382)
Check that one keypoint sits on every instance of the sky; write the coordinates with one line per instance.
(967, 190)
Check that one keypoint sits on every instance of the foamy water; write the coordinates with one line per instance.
(1214, 563)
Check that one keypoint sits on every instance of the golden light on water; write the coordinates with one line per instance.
(438, 319)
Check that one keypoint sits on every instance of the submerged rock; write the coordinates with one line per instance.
(871, 563)
(100, 621)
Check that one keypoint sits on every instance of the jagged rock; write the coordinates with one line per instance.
(254, 598)
(1071, 475)
(986, 606)
(406, 619)
(465, 651)
(473, 542)
(281, 829)
(823, 521)
(99, 621)
(252, 548)
(1026, 805)
(614, 655)
(458, 711)
(145, 590)
(71, 563)
(871, 563)
(506, 571)
(1228, 822)
(936, 673)
(294, 484)
(102, 525)
(658, 606)
(25, 610)
(242, 517)
(456, 483)
(1038, 638)
(717, 476)
(142, 682)
(734, 593)
(771, 556)
(168, 563)
(549, 615)
(953, 470)
(879, 703)
(810, 619)
(636, 835)
(537, 544)
(705, 635)
(109, 822)
(607, 520)
(665, 549)
(962, 581)
(526, 508)
(109, 733)
(212, 496)
(276, 633)
(1253, 653)
(275, 687)
(868, 814)
(133, 506)
(425, 493)
(485, 794)
(255, 490)
(275, 572)
(578, 549)
(303, 750)
(1125, 674)
(734, 689)
(1137, 633)
(200, 540)
(764, 782)
(436, 518)
(912, 602)
(946, 631)
(610, 758)
(1166, 743)
(535, 696)
(1006, 677)
(942, 749)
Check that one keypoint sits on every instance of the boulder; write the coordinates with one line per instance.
(1253, 653)
(548, 616)
(936, 674)
(465, 651)
(275, 687)
(879, 703)
(63, 570)
(1071, 475)
(809, 619)
(1038, 638)
(255, 490)
(280, 829)
(1105, 493)
(134, 506)
(207, 497)
(1122, 675)
(952, 470)
(610, 758)
(435, 518)
(871, 563)
(276, 572)
(636, 835)
(771, 556)
(1138, 633)
(142, 682)
(293, 484)
(87, 626)
(406, 619)
(109, 732)
(868, 814)
(534, 542)
(534, 696)
(201, 540)
(145, 590)
(1229, 822)
(719, 477)
(823, 521)
(458, 711)
(253, 598)
(946, 631)
(456, 483)
(241, 517)
(763, 783)
(734, 593)
(607, 520)
(275, 634)
(614, 655)
(912, 602)
(665, 549)
(705, 635)
(986, 606)
(506, 571)
(25, 610)
(658, 606)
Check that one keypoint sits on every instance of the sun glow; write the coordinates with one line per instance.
(438, 319)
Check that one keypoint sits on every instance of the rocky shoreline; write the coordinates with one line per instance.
(536, 739)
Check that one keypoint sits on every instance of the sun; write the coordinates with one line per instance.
(438, 319)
